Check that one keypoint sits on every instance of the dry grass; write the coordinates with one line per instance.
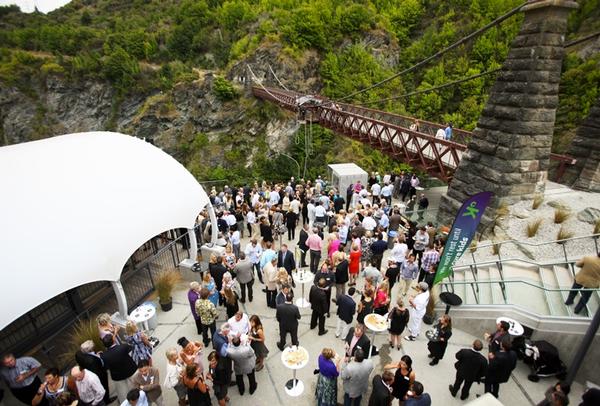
(561, 215)
(597, 227)
(81, 331)
(537, 201)
(165, 283)
(473, 246)
(533, 226)
(496, 248)
(564, 234)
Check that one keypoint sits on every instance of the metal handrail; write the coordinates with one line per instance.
(524, 282)
(527, 261)
(538, 244)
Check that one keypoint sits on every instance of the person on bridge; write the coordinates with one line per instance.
(448, 132)
(588, 278)
(440, 134)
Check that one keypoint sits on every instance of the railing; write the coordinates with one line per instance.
(36, 331)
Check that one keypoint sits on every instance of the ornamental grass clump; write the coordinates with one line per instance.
(165, 283)
(537, 202)
(561, 215)
(82, 331)
(533, 227)
(564, 234)
(597, 227)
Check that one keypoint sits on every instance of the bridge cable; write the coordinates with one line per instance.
(276, 78)
(264, 88)
(425, 61)
(456, 82)
(580, 40)
(432, 89)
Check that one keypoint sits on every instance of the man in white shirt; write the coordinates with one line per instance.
(89, 387)
(310, 208)
(320, 213)
(386, 193)
(376, 191)
(295, 205)
(234, 239)
(417, 308)
(239, 323)
(229, 217)
(253, 252)
(369, 222)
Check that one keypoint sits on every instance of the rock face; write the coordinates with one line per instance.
(509, 153)
(585, 174)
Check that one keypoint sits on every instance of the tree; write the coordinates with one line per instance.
(121, 68)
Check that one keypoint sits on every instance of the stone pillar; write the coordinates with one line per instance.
(585, 147)
(509, 152)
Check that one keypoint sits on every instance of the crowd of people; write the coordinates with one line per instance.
(342, 241)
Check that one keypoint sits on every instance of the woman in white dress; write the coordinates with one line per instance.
(417, 308)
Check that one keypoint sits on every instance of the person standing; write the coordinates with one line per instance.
(219, 372)
(257, 341)
(287, 315)
(421, 242)
(193, 296)
(398, 318)
(341, 271)
(253, 252)
(20, 375)
(417, 397)
(302, 245)
(173, 375)
(318, 302)
(417, 308)
(356, 339)
(208, 315)
(270, 275)
(88, 359)
(121, 366)
(89, 388)
(345, 312)
(315, 245)
(381, 394)
(245, 276)
(285, 259)
(422, 206)
(501, 365)
(354, 263)
(329, 370)
(408, 273)
(147, 378)
(377, 250)
(197, 390)
(498, 336)
(392, 273)
(588, 278)
(470, 367)
(430, 259)
(437, 348)
(244, 361)
(355, 377)
(448, 132)
(291, 221)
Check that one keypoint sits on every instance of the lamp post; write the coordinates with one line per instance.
(296, 162)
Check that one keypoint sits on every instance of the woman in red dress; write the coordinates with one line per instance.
(354, 265)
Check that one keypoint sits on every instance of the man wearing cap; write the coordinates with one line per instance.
(418, 305)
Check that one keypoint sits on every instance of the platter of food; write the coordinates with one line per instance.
(376, 322)
(294, 357)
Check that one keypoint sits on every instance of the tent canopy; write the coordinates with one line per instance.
(343, 175)
(75, 208)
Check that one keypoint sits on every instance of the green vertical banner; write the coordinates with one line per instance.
(462, 232)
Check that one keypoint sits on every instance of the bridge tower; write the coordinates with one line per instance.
(585, 147)
(509, 152)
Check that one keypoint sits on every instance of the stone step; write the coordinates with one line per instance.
(565, 279)
(556, 301)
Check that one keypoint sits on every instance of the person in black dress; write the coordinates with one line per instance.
(403, 378)
(197, 389)
(437, 347)
(365, 306)
(231, 302)
(266, 232)
(257, 341)
(398, 318)
(392, 273)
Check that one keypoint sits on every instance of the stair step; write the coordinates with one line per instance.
(497, 295)
(565, 278)
(556, 301)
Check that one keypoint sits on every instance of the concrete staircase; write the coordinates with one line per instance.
(539, 290)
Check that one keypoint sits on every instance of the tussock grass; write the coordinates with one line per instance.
(533, 227)
(597, 227)
(81, 331)
(473, 246)
(496, 248)
(561, 215)
(564, 234)
(537, 201)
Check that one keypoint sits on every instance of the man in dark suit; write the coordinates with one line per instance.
(121, 366)
(501, 364)
(357, 338)
(318, 303)
(86, 358)
(287, 315)
(381, 394)
(302, 245)
(285, 259)
(470, 367)
(217, 271)
(345, 311)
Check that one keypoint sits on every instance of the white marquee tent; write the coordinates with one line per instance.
(75, 207)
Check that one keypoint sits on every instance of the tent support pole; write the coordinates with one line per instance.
(213, 221)
(121, 299)
(193, 244)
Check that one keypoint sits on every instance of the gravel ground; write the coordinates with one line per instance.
(514, 227)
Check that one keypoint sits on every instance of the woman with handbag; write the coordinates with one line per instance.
(438, 340)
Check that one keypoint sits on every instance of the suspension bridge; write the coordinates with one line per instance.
(387, 132)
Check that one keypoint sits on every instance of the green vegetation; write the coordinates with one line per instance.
(142, 47)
